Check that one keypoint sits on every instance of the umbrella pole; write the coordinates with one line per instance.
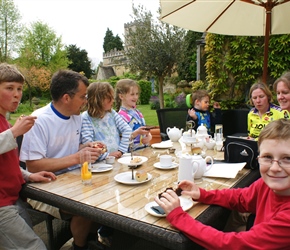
(266, 44)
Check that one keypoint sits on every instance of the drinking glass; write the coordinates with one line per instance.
(85, 161)
(218, 132)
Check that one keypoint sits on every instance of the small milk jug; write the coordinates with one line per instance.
(186, 170)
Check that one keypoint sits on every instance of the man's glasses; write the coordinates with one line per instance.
(267, 161)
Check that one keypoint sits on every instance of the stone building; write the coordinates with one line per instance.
(114, 62)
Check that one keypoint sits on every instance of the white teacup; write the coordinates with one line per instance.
(166, 160)
(210, 144)
(110, 159)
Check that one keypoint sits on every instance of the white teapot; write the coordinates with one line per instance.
(202, 165)
(174, 134)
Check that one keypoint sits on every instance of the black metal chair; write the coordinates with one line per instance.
(171, 117)
(250, 221)
(235, 122)
(58, 230)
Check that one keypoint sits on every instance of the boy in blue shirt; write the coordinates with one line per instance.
(199, 113)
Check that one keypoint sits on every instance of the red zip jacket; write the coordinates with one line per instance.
(271, 229)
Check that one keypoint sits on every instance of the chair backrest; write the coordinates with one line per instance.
(235, 122)
(171, 117)
(19, 142)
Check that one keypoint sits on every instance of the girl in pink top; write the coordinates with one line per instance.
(127, 95)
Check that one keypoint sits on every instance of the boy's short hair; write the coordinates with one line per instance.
(275, 130)
(198, 95)
(9, 73)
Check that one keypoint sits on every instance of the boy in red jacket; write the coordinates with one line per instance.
(15, 233)
(268, 198)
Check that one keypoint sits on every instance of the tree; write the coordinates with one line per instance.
(187, 67)
(234, 63)
(42, 48)
(153, 48)
(38, 81)
(79, 60)
(112, 42)
(10, 29)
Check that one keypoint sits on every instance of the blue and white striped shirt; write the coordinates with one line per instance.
(112, 130)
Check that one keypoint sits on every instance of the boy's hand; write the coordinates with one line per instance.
(190, 189)
(42, 176)
(216, 105)
(191, 113)
(22, 125)
(169, 201)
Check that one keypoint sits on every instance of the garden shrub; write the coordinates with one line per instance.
(180, 100)
(154, 102)
(145, 91)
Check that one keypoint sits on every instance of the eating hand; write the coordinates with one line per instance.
(168, 201)
(22, 125)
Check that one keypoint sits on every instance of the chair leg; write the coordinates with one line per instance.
(49, 227)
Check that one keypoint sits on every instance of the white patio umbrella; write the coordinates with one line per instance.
(230, 17)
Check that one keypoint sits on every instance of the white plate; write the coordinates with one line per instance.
(127, 160)
(157, 165)
(126, 178)
(162, 145)
(185, 202)
(100, 167)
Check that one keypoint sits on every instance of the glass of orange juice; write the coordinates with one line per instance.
(85, 161)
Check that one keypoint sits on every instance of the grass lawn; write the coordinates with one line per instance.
(149, 114)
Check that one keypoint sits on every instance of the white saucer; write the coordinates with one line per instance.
(157, 165)
(100, 167)
(185, 202)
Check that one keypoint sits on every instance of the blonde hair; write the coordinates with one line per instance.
(284, 78)
(264, 88)
(275, 130)
(124, 86)
(97, 93)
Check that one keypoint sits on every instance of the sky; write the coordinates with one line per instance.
(83, 22)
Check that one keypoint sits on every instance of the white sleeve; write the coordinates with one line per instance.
(7, 141)
(25, 174)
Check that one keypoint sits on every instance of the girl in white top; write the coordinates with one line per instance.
(102, 123)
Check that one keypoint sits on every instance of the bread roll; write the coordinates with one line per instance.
(141, 175)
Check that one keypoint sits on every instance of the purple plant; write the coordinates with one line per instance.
(154, 102)
(180, 100)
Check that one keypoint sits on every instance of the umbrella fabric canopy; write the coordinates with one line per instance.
(230, 17)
